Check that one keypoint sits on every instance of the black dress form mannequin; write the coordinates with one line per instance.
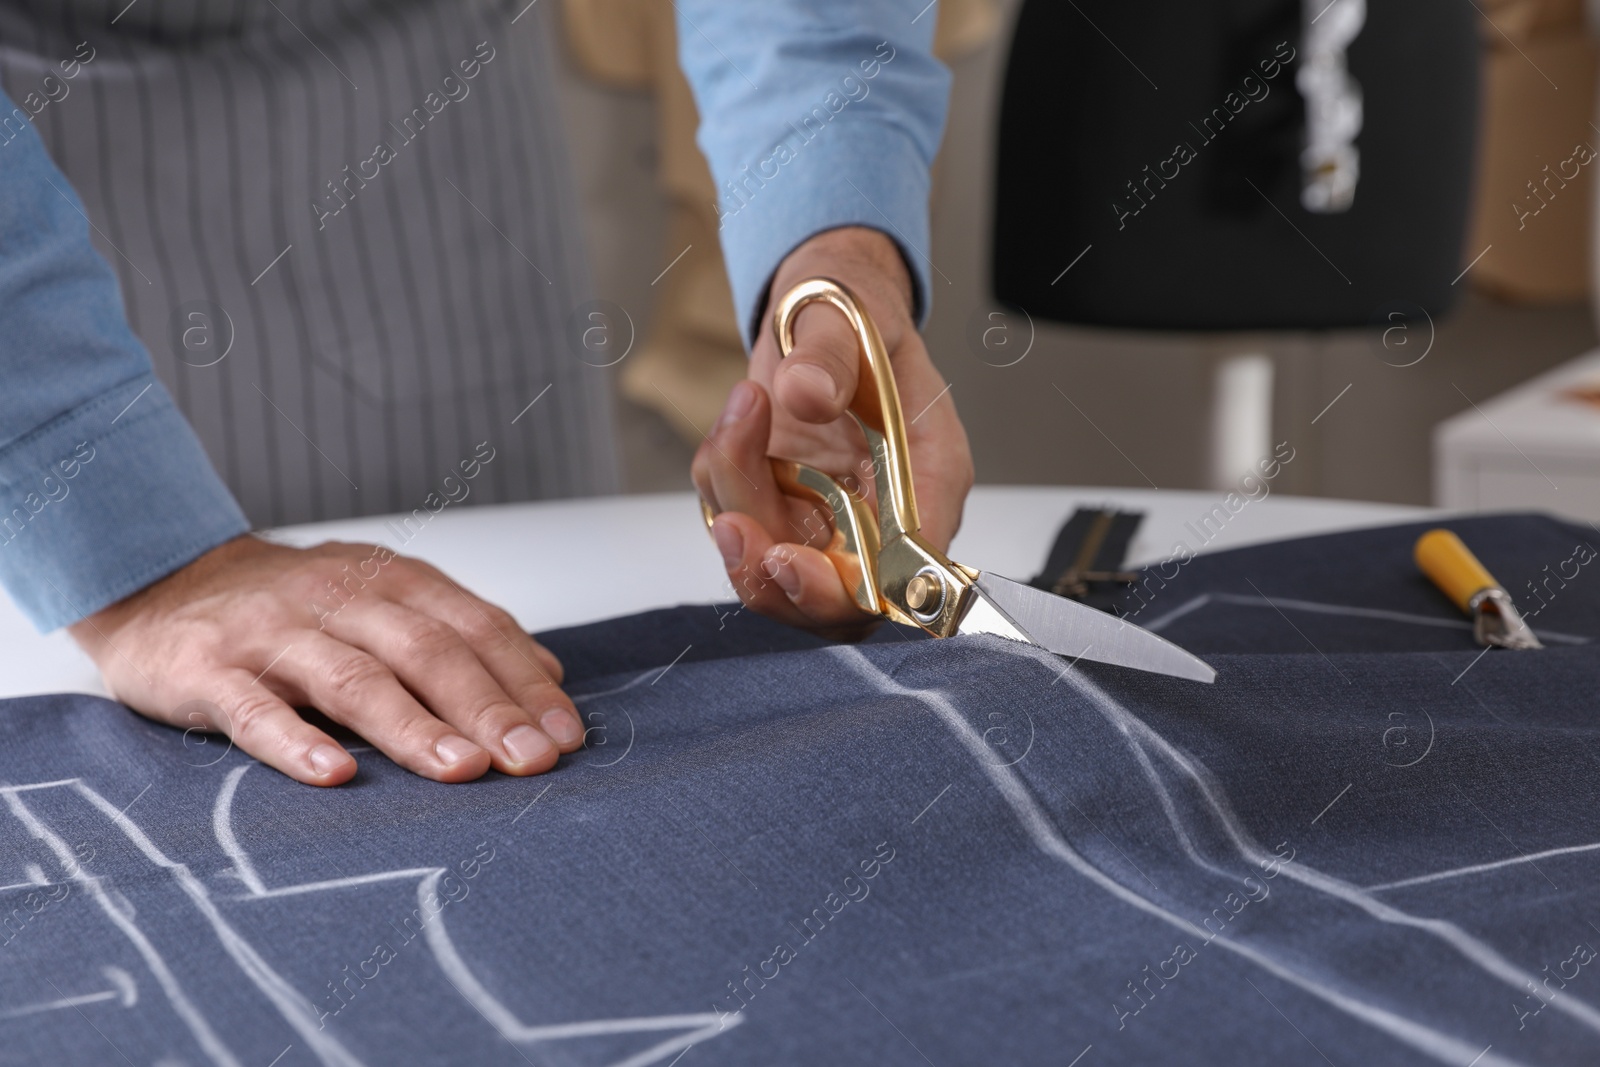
(1151, 169)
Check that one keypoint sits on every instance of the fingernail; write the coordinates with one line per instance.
(560, 724)
(455, 749)
(325, 759)
(816, 378)
(740, 400)
(525, 744)
(730, 542)
(787, 577)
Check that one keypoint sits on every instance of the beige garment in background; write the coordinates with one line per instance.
(1538, 103)
(693, 353)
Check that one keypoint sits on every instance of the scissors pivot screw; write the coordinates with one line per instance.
(925, 594)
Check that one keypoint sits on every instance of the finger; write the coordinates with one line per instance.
(817, 380)
(812, 584)
(941, 457)
(743, 544)
(734, 461)
(352, 687)
(449, 600)
(763, 572)
(733, 474)
(263, 726)
(741, 398)
(434, 662)
(518, 664)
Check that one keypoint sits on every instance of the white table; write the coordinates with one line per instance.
(567, 562)
(1531, 448)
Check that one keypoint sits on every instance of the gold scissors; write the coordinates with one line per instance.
(891, 571)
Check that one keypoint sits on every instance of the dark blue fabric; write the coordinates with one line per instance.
(903, 852)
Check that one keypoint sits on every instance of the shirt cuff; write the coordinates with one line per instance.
(105, 499)
(862, 174)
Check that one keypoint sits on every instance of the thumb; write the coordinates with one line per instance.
(817, 380)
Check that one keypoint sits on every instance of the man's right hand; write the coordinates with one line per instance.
(794, 406)
(442, 682)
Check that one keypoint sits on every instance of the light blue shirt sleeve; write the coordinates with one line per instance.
(814, 114)
(103, 486)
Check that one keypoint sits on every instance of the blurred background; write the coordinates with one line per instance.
(1418, 413)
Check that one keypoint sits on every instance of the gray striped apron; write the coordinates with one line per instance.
(345, 232)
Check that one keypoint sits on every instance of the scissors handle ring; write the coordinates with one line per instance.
(876, 404)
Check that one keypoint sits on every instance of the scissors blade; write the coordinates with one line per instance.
(1068, 628)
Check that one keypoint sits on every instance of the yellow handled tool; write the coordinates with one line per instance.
(1456, 571)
